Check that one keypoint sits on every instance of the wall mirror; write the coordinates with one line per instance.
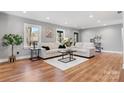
(32, 34)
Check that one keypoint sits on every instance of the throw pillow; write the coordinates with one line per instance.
(62, 46)
(46, 47)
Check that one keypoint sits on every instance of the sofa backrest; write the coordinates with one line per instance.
(79, 44)
(84, 45)
(52, 45)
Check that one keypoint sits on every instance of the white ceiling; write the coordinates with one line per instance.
(75, 19)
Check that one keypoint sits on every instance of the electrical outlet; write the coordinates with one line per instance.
(17, 52)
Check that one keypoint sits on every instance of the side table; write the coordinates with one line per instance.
(35, 54)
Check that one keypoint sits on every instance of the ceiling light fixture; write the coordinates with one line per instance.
(66, 22)
(90, 16)
(98, 21)
(48, 18)
(104, 24)
(24, 12)
(76, 25)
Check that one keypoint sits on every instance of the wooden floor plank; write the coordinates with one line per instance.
(121, 79)
(104, 67)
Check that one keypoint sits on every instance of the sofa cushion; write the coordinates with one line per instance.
(55, 45)
(88, 45)
(79, 50)
(79, 44)
(53, 51)
(51, 45)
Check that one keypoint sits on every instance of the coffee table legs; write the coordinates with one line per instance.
(63, 56)
(70, 58)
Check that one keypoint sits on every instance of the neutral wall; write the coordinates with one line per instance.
(123, 39)
(13, 24)
(111, 36)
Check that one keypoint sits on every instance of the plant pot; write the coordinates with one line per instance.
(12, 59)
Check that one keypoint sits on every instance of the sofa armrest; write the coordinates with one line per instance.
(43, 53)
(90, 47)
(42, 49)
(91, 51)
(73, 46)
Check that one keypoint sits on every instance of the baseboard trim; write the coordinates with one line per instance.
(23, 57)
(123, 66)
(18, 58)
(119, 52)
(3, 60)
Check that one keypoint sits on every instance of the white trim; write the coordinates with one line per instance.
(23, 57)
(60, 30)
(123, 39)
(119, 52)
(18, 58)
(3, 60)
(123, 66)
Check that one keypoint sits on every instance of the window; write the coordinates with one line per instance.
(75, 37)
(32, 33)
(60, 35)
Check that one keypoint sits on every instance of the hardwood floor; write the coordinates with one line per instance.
(104, 67)
(122, 76)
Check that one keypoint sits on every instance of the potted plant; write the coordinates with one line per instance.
(67, 42)
(12, 40)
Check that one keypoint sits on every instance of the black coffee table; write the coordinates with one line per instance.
(65, 52)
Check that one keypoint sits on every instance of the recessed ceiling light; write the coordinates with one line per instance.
(104, 24)
(98, 21)
(66, 22)
(90, 16)
(76, 25)
(24, 12)
(48, 18)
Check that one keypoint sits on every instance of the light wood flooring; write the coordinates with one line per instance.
(104, 67)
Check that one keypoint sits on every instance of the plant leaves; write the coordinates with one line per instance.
(12, 39)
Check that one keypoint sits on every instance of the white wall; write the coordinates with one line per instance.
(123, 39)
(15, 25)
(111, 36)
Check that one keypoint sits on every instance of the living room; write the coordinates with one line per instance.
(67, 46)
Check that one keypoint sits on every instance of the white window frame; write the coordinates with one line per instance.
(60, 30)
(25, 34)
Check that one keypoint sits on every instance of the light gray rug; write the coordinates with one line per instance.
(64, 66)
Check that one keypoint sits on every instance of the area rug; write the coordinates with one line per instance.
(64, 66)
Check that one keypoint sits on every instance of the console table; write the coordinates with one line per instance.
(35, 53)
